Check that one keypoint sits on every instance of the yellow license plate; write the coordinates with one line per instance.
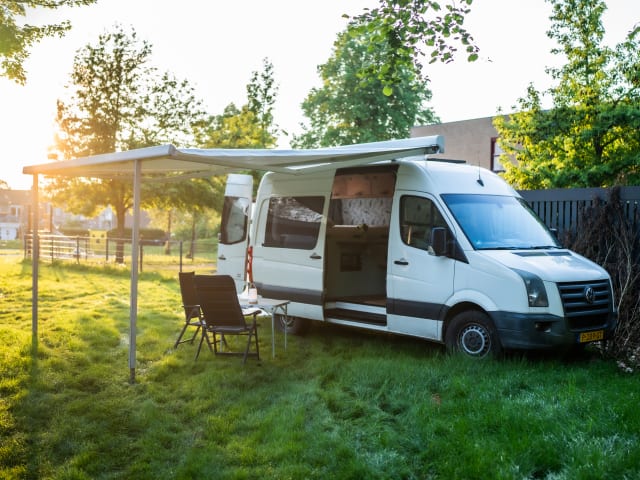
(591, 336)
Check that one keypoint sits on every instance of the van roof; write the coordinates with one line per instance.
(446, 177)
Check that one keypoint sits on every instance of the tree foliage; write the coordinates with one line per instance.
(344, 110)
(250, 126)
(411, 33)
(16, 37)
(262, 92)
(118, 102)
(591, 134)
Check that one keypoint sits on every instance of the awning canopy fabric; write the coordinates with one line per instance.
(167, 161)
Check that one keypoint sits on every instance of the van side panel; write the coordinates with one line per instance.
(289, 240)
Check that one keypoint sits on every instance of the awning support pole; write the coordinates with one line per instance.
(35, 257)
(135, 236)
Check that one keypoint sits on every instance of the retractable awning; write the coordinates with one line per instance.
(168, 163)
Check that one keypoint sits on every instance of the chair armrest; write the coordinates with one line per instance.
(194, 311)
(251, 311)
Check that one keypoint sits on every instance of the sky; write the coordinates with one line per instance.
(216, 45)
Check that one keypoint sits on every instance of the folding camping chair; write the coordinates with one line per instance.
(222, 315)
(192, 312)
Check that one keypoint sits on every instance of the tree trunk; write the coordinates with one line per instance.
(167, 245)
(192, 247)
(120, 217)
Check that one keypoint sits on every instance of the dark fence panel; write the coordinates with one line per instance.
(562, 208)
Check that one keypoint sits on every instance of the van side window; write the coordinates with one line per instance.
(293, 222)
(418, 216)
(235, 220)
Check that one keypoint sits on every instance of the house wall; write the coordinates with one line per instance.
(473, 141)
(9, 231)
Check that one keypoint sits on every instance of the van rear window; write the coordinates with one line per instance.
(294, 222)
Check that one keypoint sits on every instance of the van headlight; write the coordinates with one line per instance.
(536, 293)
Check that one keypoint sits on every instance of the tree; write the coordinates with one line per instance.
(404, 26)
(261, 93)
(119, 103)
(250, 126)
(344, 110)
(591, 135)
(16, 39)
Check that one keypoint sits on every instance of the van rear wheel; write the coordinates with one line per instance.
(473, 333)
(293, 325)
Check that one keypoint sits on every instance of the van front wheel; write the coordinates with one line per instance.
(472, 333)
(293, 325)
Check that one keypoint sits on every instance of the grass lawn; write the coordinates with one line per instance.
(338, 403)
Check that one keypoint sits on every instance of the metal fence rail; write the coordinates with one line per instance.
(89, 250)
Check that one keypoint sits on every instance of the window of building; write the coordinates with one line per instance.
(496, 151)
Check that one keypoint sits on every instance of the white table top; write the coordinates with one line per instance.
(262, 302)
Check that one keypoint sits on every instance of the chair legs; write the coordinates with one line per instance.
(213, 344)
(253, 332)
(184, 329)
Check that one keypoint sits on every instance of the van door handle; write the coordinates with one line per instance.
(315, 256)
(401, 262)
(222, 257)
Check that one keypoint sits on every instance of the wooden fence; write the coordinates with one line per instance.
(562, 208)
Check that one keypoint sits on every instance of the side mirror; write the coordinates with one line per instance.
(439, 241)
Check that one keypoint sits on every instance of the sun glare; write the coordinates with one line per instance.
(26, 133)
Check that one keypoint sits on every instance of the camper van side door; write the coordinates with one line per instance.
(419, 282)
(234, 228)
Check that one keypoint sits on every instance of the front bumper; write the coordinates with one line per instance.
(540, 331)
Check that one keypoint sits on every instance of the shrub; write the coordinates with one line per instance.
(611, 238)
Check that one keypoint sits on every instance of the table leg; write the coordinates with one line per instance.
(273, 334)
(286, 326)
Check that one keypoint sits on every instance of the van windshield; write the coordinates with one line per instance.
(494, 222)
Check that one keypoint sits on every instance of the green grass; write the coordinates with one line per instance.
(337, 403)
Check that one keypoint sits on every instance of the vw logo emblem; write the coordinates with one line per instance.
(589, 294)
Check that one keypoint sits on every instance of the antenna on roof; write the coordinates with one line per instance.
(479, 179)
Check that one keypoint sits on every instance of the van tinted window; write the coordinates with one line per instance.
(418, 216)
(293, 222)
(235, 220)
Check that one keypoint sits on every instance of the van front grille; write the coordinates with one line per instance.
(586, 304)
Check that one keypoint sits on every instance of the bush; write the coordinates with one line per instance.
(611, 238)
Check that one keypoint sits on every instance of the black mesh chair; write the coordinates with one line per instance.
(222, 316)
(192, 312)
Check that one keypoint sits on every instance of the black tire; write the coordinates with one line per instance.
(294, 325)
(472, 333)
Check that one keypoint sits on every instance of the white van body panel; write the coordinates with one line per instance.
(407, 282)
(277, 269)
(558, 266)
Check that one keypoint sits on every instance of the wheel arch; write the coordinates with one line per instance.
(459, 308)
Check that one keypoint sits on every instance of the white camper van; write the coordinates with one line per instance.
(432, 249)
